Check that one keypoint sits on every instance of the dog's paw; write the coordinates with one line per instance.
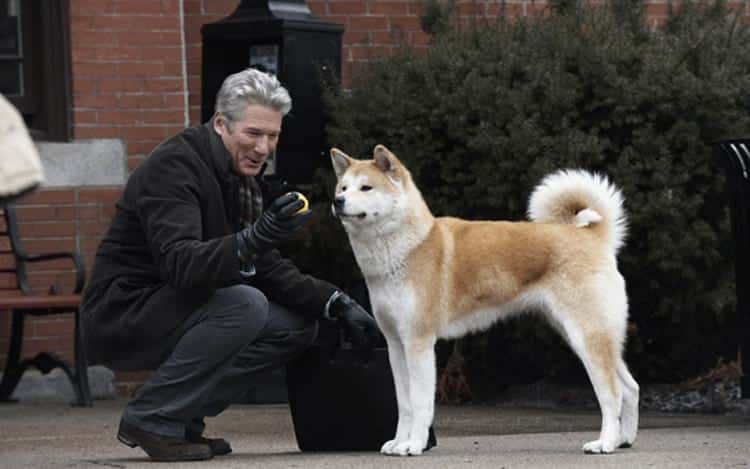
(597, 447)
(408, 448)
(625, 441)
(388, 446)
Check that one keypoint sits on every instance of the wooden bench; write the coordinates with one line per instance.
(17, 297)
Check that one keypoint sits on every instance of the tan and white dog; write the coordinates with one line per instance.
(431, 278)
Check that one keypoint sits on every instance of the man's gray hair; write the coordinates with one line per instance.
(249, 87)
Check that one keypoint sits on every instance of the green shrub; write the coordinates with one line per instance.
(482, 116)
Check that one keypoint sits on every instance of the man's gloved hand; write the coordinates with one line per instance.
(359, 326)
(278, 223)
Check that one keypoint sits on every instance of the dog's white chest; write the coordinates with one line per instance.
(394, 304)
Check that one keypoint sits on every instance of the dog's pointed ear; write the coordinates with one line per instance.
(385, 159)
(341, 161)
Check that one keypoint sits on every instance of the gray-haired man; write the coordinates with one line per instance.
(188, 282)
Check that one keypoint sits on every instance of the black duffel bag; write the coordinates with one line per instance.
(342, 399)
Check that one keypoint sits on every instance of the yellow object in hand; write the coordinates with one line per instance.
(306, 203)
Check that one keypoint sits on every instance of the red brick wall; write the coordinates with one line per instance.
(127, 72)
(129, 83)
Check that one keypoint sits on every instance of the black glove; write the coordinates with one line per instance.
(278, 223)
(359, 326)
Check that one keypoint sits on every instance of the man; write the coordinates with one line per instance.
(188, 282)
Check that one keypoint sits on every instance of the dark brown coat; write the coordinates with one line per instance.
(171, 244)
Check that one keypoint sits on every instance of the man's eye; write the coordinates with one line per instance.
(365, 188)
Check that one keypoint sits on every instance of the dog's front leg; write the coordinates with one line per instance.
(420, 361)
(397, 359)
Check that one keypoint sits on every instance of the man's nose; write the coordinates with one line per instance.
(263, 145)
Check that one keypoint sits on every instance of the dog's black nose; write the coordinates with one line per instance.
(338, 202)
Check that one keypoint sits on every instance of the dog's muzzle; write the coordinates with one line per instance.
(337, 207)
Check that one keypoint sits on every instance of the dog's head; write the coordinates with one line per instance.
(370, 192)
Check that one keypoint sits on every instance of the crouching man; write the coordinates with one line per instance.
(188, 281)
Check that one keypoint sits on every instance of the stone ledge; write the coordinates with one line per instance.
(55, 386)
(80, 163)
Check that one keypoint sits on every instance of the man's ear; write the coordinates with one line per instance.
(385, 159)
(341, 161)
(220, 123)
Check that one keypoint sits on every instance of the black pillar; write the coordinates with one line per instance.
(281, 37)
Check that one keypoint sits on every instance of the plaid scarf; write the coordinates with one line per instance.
(251, 201)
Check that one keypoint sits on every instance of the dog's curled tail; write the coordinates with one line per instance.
(583, 199)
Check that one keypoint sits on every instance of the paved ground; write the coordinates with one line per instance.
(54, 435)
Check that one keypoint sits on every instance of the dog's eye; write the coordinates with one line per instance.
(343, 188)
(365, 188)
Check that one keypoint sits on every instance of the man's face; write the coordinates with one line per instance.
(253, 138)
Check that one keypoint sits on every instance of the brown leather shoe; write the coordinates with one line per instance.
(219, 446)
(161, 447)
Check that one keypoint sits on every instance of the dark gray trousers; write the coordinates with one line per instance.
(217, 352)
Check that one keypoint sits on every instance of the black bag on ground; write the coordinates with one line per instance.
(340, 398)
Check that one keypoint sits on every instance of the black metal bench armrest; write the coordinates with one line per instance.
(77, 262)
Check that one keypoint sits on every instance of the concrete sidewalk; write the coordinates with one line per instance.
(54, 435)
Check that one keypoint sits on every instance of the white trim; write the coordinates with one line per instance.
(183, 46)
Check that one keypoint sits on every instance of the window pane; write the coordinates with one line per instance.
(10, 78)
(11, 70)
(9, 36)
(9, 7)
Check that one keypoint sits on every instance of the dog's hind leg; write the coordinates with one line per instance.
(397, 359)
(599, 352)
(598, 355)
(420, 360)
(629, 416)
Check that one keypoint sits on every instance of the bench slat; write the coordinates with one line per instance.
(39, 301)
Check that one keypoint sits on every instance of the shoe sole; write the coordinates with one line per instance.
(190, 458)
(222, 453)
(126, 441)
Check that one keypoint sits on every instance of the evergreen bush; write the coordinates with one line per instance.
(482, 115)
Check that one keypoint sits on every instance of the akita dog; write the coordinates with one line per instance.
(431, 278)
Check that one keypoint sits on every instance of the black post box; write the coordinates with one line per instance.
(735, 156)
(281, 37)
